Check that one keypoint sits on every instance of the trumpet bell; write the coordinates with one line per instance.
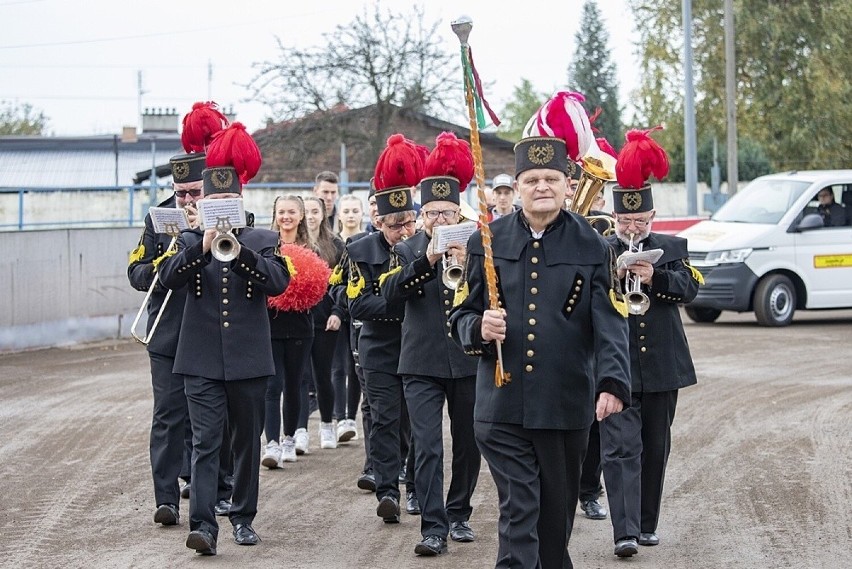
(637, 302)
(225, 247)
(452, 276)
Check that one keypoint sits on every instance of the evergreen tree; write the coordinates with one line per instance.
(593, 73)
(525, 102)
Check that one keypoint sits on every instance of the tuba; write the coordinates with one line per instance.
(598, 169)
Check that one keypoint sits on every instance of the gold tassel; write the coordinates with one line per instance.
(696, 274)
(291, 268)
(336, 277)
(136, 254)
(461, 294)
(619, 305)
(163, 257)
(384, 276)
(354, 288)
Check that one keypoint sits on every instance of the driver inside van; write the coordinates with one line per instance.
(832, 213)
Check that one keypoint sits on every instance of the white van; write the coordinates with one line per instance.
(772, 249)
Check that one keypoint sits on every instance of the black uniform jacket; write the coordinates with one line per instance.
(141, 273)
(659, 353)
(225, 329)
(379, 339)
(556, 293)
(427, 348)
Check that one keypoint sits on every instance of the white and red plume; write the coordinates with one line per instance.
(563, 116)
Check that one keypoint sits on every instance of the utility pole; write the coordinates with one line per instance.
(690, 154)
(731, 98)
(209, 80)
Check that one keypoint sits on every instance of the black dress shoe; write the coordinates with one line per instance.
(648, 539)
(222, 508)
(461, 532)
(388, 510)
(244, 534)
(184, 490)
(202, 542)
(626, 547)
(412, 504)
(367, 481)
(431, 545)
(593, 509)
(166, 514)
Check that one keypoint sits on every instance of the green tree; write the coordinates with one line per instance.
(751, 160)
(21, 119)
(792, 72)
(593, 73)
(524, 103)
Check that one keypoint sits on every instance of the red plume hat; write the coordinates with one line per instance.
(448, 171)
(231, 153)
(639, 159)
(399, 167)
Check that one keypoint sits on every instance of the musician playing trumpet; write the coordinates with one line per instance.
(635, 443)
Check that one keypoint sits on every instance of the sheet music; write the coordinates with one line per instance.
(170, 220)
(231, 209)
(627, 258)
(443, 235)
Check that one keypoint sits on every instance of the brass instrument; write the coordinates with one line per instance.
(452, 274)
(598, 169)
(172, 230)
(224, 246)
(637, 301)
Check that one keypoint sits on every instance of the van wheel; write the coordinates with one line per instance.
(697, 314)
(774, 301)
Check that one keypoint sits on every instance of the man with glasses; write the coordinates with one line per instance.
(371, 258)
(433, 367)
(635, 443)
(833, 214)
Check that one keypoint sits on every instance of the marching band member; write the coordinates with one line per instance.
(432, 366)
(171, 435)
(635, 444)
(559, 312)
(399, 167)
(224, 351)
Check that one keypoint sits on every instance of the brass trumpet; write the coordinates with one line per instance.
(224, 246)
(598, 169)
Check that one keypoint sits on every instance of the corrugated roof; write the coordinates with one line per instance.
(56, 162)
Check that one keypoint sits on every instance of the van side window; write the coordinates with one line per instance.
(846, 200)
(833, 214)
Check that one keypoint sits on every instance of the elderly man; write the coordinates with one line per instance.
(559, 321)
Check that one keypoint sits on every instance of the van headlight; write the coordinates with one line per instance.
(726, 257)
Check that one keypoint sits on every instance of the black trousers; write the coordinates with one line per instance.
(590, 477)
(635, 447)
(317, 373)
(210, 403)
(289, 355)
(386, 399)
(347, 388)
(425, 397)
(366, 418)
(537, 474)
(169, 429)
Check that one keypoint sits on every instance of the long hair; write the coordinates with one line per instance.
(351, 198)
(303, 237)
(324, 243)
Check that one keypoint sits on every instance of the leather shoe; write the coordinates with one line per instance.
(202, 542)
(244, 534)
(166, 514)
(626, 547)
(461, 532)
(593, 509)
(367, 481)
(184, 490)
(431, 545)
(388, 510)
(222, 508)
(412, 504)
(648, 539)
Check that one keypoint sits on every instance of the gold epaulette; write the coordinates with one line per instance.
(461, 294)
(291, 268)
(336, 277)
(384, 276)
(137, 254)
(355, 286)
(696, 274)
(619, 305)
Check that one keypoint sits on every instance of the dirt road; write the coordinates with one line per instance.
(759, 474)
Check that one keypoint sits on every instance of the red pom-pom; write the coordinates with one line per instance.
(604, 145)
(200, 124)
(235, 147)
(563, 116)
(451, 157)
(309, 283)
(640, 158)
(400, 164)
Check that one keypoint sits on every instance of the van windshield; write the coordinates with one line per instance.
(761, 201)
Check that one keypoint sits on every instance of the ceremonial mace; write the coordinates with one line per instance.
(473, 97)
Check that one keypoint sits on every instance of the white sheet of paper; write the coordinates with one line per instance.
(171, 220)
(626, 259)
(443, 235)
(231, 209)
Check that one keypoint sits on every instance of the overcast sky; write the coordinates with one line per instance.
(79, 61)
